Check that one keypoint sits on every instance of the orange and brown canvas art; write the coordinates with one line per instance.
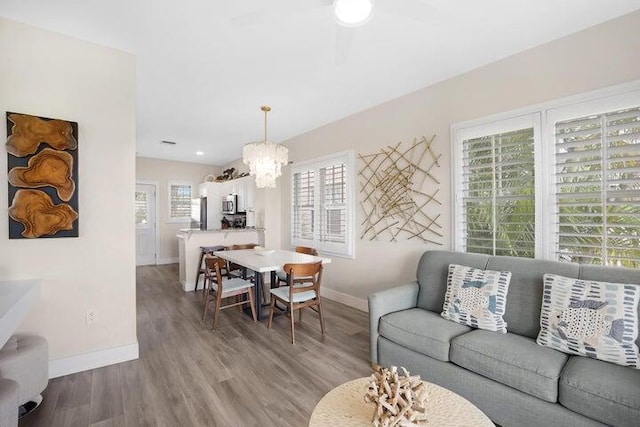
(42, 172)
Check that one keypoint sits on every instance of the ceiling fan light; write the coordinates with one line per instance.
(352, 13)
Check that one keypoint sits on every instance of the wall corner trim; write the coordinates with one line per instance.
(96, 359)
(164, 261)
(346, 299)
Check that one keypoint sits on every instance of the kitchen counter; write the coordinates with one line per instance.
(190, 240)
(219, 230)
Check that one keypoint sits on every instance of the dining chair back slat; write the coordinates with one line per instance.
(282, 275)
(306, 250)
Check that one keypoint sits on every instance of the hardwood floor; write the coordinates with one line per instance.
(242, 374)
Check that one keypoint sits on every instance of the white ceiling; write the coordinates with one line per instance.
(202, 77)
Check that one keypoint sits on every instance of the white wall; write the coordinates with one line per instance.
(162, 172)
(48, 74)
(604, 55)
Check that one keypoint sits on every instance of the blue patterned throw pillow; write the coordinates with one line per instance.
(476, 298)
(589, 318)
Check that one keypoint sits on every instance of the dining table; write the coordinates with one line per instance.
(266, 261)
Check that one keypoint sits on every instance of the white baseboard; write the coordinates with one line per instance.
(350, 300)
(97, 359)
(162, 261)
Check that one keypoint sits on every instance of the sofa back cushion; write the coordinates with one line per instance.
(524, 298)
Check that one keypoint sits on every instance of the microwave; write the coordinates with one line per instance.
(229, 203)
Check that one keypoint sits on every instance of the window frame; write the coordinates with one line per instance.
(347, 249)
(549, 113)
(568, 112)
(492, 127)
(178, 220)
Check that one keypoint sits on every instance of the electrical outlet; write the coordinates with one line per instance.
(92, 316)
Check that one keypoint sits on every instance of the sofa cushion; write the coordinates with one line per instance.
(512, 360)
(525, 289)
(476, 297)
(600, 390)
(591, 318)
(422, 331)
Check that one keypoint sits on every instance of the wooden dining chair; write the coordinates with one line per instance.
(205, 250)
(282, 276)
(298, 296)
(218, 287)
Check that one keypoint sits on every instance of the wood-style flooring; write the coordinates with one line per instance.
(242, 374)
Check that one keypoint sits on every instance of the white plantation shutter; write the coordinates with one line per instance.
(572, 196)
(179, 202)
(597, 176)
(498, 193)
(333, 204)
(322, 204)
(303, 205)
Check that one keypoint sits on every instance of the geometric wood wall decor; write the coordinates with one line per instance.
(397, 190)
(42, 174)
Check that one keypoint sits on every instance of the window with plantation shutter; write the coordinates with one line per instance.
(333, 200)
(179, 202)
(497, 202)
(322, 204)
(303, 205)
(559, 182)
(597, 183)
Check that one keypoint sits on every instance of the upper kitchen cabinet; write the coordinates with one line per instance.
(246, 191)
(244, 187)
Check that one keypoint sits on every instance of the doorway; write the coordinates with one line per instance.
(145, 223)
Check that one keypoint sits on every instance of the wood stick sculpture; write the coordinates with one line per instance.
(399, 192)
(399, 399)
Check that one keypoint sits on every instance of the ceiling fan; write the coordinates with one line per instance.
(348, 15)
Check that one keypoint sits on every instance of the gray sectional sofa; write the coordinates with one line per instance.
(512, 379)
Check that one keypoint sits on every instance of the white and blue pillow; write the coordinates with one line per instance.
(590, 318)
(476, 298)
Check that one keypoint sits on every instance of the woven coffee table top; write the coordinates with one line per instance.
(345, 406)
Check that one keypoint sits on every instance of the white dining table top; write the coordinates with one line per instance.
(264, 263)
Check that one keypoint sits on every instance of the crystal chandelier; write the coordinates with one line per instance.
(265, 159)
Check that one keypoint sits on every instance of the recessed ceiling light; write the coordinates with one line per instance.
(352, 13)
(199, 153)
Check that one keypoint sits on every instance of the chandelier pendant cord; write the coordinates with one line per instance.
(266, 109)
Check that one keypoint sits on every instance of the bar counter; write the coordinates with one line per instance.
(190, 241)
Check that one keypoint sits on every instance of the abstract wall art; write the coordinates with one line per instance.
(42, 172)
(398, 187)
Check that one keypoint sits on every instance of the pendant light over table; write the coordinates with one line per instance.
(265, 159)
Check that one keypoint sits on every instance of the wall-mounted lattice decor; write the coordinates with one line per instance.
(398, 189)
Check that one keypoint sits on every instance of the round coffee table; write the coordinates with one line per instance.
(345, 406)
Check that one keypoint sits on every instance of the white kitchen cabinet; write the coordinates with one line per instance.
(246, 190)
(225, 187)
(250, 192)
(244, 187)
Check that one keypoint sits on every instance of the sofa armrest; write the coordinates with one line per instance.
(8, 402)
(384, 302)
